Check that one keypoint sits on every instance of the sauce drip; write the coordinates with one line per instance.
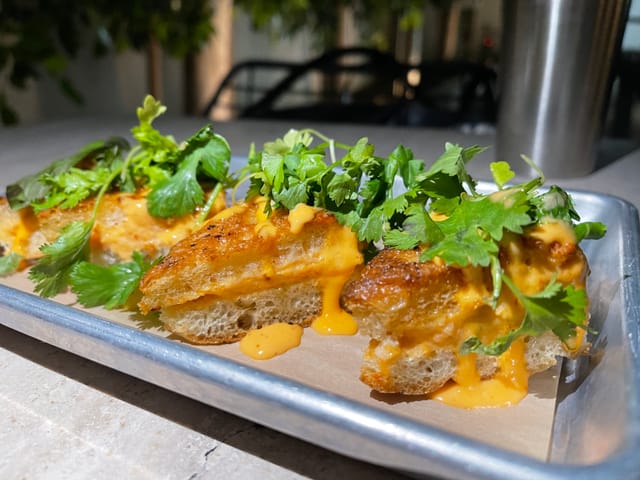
(507, 387)
(333, 320)
(271, 340)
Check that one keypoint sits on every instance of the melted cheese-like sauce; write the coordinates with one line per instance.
(117, 234)
(230, 212)
(552, 230)
(333, 320)
(507, 387)
(271, 340)
(301, 215)
(340, 255)
(264, 227)
(24, 229)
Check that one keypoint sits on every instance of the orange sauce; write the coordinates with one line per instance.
(333, 320)
(299, 216)
(270, 341)
(506, 388)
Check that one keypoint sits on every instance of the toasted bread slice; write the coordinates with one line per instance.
(242, 271)
(418, 314)
(122, 227)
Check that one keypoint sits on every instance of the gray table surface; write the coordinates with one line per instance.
(67, 417)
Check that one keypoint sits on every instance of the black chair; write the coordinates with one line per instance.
(362, 85)
(351, 85)
(453, 93)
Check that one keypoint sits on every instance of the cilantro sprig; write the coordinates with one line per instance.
(436, 209)
(109, 286)
(176, 175)
(395, 201)
(556, 308)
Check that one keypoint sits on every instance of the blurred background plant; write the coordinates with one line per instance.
(377, 21)
(41, 37)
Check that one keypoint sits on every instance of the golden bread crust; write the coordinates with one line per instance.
(122, 227)
(417, 314)
(241, 253)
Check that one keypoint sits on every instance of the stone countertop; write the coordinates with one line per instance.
(67, 417)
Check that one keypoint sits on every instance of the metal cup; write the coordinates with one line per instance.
(555, 69)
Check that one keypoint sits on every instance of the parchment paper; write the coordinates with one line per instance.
(332, 363)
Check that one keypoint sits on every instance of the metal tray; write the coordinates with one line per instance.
(596, 431)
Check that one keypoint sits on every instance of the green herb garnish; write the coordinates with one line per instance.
(110, 286)
(176, 174)
(363, 191)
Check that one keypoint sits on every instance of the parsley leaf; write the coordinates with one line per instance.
(110, 286)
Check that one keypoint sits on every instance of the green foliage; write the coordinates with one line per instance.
(51, 273)
(173, 172)
(288, 17)
(41, 37)
(9, 263)
(556, 308)
(110, 286)
(439, 211)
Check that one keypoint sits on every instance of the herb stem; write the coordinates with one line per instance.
(327, 139)
(210, 201)
(234, 191)
(103, 190)
(127, 162)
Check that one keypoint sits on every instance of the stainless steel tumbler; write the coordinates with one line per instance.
(555, 78)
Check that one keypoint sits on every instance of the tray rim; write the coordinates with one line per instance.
(410, 446)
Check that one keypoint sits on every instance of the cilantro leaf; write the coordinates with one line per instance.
(109, 286)
(215, 157)
(177, 195)
(157, 146)
(465, 248)
(9, 263)
(50, 273)
(418, 228)
(448, 175)
(273, 168)
(556, 203)
(556, 308)
(401, 162)
(287, 143)
(291, 196)
(31, 189)
(342, 187)
(71, 187)
(395, 205)
(470, 235)
(501, 172)
(371, 228)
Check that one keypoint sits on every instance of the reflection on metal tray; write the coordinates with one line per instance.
(597, 426)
